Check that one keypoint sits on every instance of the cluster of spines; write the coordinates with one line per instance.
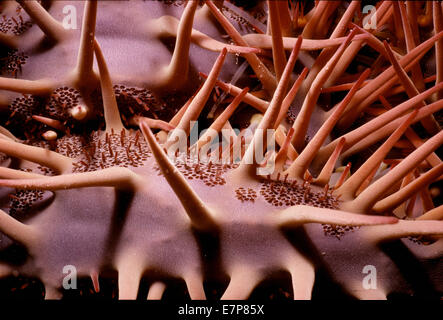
(137, 102)
(367, 198)
(124, 149)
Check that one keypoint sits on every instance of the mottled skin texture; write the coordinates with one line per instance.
(149, 227)
(148, 230)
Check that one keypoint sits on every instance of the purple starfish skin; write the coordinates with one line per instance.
(117, 201)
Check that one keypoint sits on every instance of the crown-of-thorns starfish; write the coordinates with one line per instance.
(118, 200)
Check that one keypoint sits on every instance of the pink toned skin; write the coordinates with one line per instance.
(151, 222)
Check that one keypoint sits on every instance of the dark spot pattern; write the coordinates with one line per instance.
(104, 150)
(61, 100)
(22, 200)
(244, 194)
(16, 25)
(286, 194)
(210, 173)
(11, 62)
(134, 101)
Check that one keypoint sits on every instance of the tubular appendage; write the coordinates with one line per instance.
(243, 281)
(301, 214)
(221, 120)
(407, 191)
(176, 73)
(301, 164)
(112, 114)
(51, 27)
(404, 228)
(301, 122)
(37, 87)
(200, 215)
(35, 154)
(156, 291)
(375, 191)
(349, 188)
(198, 102)
(271, 114)
(263, 74)
(117, 177)
(85, 57)
(18, 231)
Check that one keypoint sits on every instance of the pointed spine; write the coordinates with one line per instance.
(196, 106)
(278, 52)
(290, 97)
(327, 53)
(384, 119)
(404, 228)
(111, 177)
(112, 114)
(35, 154)
(95, 281)
(271, 114)
(250, 99)
(409, 190)
(218, 124)
(7, 173)
(51, 27)
(177, 71)
(152, 123)
(301, 164)
(280, 138)
(302, 121)
(326, 172)
(433, 159)
(282, 154)
(263, 41)
(309, 29)
(429, 122)
(349, 188)
(373, 137)
(365, 201)
(200, 216)
(169, 26)
(37, 87)
(16, 230)
(301, 214)
(85, 56)
(263, 74)
(434, 214)
(384, 81)
(56, 124)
